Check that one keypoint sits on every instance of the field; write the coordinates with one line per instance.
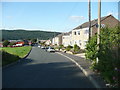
(10, 55)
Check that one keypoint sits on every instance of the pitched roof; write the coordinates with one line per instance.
(93, 22)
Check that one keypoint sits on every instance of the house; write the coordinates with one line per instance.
(48, 42)
(57, 40)
(20, 43)
(1, 44)
(66, 39)
(80, 34)
(29, 42)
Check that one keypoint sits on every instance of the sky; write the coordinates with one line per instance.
(51, 16)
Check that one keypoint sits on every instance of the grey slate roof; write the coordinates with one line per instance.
(93, 22)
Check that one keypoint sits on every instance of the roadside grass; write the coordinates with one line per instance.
(8, 58)
(18, 51)
(10, 55)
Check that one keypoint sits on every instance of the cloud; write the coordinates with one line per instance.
(113, 13)
(76, 18)
(110, 13)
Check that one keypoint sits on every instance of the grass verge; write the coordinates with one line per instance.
(10, 55)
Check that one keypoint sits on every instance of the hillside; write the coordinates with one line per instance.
(24, 34)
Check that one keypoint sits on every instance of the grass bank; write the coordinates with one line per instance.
(10, 55)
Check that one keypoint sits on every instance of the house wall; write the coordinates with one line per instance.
(66, 40)
(55, 41)
(48, 42)
(60, 40)
(108, 22)
(80, 39)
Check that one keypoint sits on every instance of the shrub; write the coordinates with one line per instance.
(91, 49)
(61, 46)
(76, 49)
(12, 43)
(68, 48)
(108, 54)
(6, 43)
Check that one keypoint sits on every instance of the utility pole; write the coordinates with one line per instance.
(99, 25)
(89, 15)
(54, 38)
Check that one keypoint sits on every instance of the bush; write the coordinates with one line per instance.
(12, 43)
(76, 49)
(6, 43)
(68, 48)
(61, 46)
(108, 54)
(91, 49)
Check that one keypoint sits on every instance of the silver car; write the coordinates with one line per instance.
(51, 49)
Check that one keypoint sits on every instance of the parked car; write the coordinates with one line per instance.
(42, 47)
(38, 45)
(51, 49)
(46, 48)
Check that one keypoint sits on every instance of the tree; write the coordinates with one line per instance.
(108, 54)
(12, 43)
(34, 40)
(5, 43)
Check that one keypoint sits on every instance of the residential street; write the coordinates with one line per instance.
(42, 69)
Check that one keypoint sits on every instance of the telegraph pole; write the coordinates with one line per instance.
(99, 25)
(89, 15)
(54, 38)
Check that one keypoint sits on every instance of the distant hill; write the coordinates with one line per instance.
(24, 34)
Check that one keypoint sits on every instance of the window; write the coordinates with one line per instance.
(78, 32)
(86, 31)
(75, 33)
